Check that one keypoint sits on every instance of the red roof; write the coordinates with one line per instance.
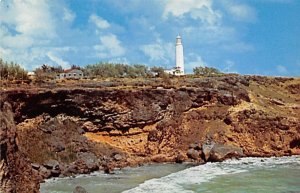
(70, 70)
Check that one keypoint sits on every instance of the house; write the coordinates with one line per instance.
(71, 74)
(175, 71)
(31, 75)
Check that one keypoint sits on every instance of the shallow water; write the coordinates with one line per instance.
(123, 179)
(245, 175)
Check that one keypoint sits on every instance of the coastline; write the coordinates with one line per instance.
(78, 130)
(123, 176)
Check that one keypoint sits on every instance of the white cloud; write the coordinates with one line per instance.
(110, 46)
(31, 18)
(207, 34)
(281, 69)
(69, 16)
(99, 22)
(229, 67)
(26, 28)
(122, 60)
(238, 47)
(159, 51)
(194, 60)
(241, 12)
(196, 9)
(58, 60)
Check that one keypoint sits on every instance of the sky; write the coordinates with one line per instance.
(239, 36)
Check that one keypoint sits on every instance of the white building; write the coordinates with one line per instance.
(179, 59)
(179, 56)
(70, 74)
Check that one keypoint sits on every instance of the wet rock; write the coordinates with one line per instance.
(160, 158)
(51, 164)
(69, 170)
(221, 152)
(180, 158)
(79, 189)
(108, 169)
(55, 173)
(195, 146)
(35, 166)
(206, 149)
(44, 172)
(87, 162)
(193, 154)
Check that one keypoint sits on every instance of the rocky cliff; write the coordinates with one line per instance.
(80, 129)
(16, 174)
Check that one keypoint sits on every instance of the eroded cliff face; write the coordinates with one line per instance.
(77, 130)
(16, 174)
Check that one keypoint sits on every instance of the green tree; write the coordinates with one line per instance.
(116, 70)
(12, 71)
(158, 71)
(206, 71)
(46, 72)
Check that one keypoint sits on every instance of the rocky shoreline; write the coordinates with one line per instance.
(68, 131)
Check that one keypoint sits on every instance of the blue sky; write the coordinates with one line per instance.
(243, 36)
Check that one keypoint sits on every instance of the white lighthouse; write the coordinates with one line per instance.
(179, 56)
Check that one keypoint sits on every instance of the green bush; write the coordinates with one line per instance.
(12, 71)
(116, 70)
(206, 71)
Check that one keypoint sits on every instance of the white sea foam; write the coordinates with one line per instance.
(176, 182)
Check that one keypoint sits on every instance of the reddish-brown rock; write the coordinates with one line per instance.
(16, 173)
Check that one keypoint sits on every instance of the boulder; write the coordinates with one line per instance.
(69, 170)
(55, 173)
(35, 166)
(180, 158)
(221, 152)
(44, 172)
(193, 154)
(89, 127)
(195, 146)
(118, 157)
(159, 158)
(51, 164)
(79, 189)
(87, 162)
(56, 144)
(108, 169)
(206, 149)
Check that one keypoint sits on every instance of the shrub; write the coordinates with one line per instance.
(206, 71)
(12, 71)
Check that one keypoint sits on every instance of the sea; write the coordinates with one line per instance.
(246, 175)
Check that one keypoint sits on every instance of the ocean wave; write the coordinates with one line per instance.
(176, 182)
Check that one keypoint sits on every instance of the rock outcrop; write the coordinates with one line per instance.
(16, 174)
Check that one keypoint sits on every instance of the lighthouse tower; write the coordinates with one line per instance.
(179, 56)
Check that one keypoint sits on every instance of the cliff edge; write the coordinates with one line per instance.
(83, 128)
